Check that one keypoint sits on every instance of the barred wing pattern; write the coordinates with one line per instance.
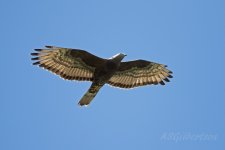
(70, 64)
(139, 73)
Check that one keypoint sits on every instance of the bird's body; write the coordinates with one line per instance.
(76, 64)
(101, 76)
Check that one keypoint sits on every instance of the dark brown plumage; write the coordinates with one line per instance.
(76, 64)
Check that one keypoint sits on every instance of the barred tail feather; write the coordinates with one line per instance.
(87, 98)
(89, 95)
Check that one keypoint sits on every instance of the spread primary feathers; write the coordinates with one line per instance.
(76, 64)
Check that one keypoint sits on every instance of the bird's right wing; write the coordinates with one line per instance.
(70, 64)
(139, 73)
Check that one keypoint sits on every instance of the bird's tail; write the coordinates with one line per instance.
(89, 95)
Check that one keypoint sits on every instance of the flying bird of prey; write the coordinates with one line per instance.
(77, 64)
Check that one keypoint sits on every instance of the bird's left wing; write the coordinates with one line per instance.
(139, 73)
(70, 64)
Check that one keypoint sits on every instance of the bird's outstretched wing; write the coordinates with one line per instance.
(70, 64)
(139, 73)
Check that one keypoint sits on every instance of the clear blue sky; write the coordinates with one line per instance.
(39, 111)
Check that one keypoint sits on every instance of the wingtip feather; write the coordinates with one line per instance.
(36, 63)
(35, 58)
(34, 54)
(166, 79)
(162, 83)
(47, 46)
(170, 76)
(38, 49)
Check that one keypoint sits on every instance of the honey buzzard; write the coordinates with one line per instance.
(77, 64)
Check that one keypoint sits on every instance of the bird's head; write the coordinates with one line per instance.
(118, 57)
